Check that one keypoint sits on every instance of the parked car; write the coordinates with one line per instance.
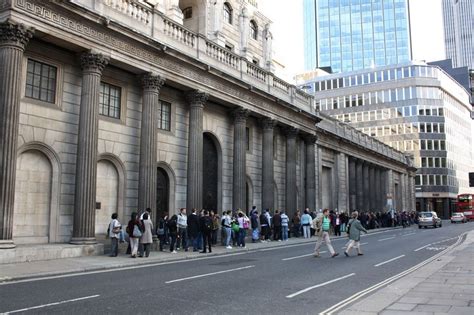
(458, 217)
(428, 218)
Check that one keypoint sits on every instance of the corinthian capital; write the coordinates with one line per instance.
(291, 132)
(268, 123)
(196, 98)
(93, 62)
(15, 34)
(152, 82)
(240, 114)
(310, 139)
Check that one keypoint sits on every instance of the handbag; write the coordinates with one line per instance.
(136, 231)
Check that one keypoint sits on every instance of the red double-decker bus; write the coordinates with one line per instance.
(465, 204)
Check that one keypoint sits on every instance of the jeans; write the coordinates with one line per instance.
(306, 231)
(296, 230)
(173, 241)
(276, 232)
(214, 237)
(228, 235)
(114, 243)
(242, 233)
(182, 238)
(284, 233)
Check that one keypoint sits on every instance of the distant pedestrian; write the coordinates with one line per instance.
(161, 230)
(242, 229)
(254, 225)
(182, 229)
(264, 226)
(354, 228)
(206, 230)
(147, 237)
(226, 225)
(193, 230)
(173, 232)
(277, 226)
(215, 227)
(115, 228)
(323, 226)
(284, 226)
(296, 221)
(306, 224)
(135, 231)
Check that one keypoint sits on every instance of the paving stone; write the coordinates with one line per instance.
(459, 310)
(452, 302)
(394, 312)
(401, 306)
(432, 308)
(414, 300)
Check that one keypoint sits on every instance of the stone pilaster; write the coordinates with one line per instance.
(342, 185)
(359, 185)
(151, 85)
(377, 190)
(371, 192)
(196, 100)
(365, 179)
(268, 126)
(310, 142)
(389, 189)
(239, 164)
(13, 41)
(86, 162)
(352, 184)
(291, 200)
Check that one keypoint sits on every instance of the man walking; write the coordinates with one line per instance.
(323, 225)
(182, 229)
(354, 228)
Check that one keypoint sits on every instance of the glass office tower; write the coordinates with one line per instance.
(458, 16)
(349, 35)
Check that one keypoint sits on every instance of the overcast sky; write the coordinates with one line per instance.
(287, 28)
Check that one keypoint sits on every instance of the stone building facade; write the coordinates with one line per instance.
(114, 105)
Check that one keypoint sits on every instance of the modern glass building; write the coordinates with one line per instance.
(458, 16)
(349, 35)
(413, 107)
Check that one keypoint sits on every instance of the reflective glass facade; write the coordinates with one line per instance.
(350, 35)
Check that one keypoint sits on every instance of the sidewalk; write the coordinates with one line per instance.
(443, 286)
(18, 271)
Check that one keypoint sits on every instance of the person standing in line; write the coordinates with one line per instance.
(215, 227)
(182, 230)
(306, 223)
(354, 228)
(242, 230)
(296, 222)
(284, 226)
(193, 229)
(277, 226)
(323, 226)
(337, 224)
(140, 217)
(173, 232)
(254, 225)
(134, 231)
(270, 224)
(147, 237)
(264, 227)
(206, 230)
(161, 230)
(115, 228)
(226, 225)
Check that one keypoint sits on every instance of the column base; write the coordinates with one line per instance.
(7, 244)
(83, 240)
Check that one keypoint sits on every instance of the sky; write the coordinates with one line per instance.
(287, 29)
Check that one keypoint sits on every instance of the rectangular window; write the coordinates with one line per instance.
(417, 180)
(423, 162)
(164, 116)
(41, 81)
(437, 162)
(430, 162)
(109, 100)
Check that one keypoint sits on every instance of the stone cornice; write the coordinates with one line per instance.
(14, 34)
(91, 62)
(152, 82)
(310, 139)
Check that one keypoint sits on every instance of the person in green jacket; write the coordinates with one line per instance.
(354, 228)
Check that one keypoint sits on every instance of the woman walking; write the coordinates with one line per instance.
(354, 227)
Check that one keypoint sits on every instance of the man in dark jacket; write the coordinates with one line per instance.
(264, 226)
(254, 224)
(193, 229)
(277, 226)
(206, 230)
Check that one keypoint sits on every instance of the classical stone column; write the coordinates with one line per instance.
(365, 179)
(310, 142)
(378, 197)
(86, 161)
(342, 182)
(371, 192)
(352, 184)
(359, 185)
(268, 126)
(389, 189)
(291, 170)
(151, 85)
(196, 102)
(239, 163)
(13, 41)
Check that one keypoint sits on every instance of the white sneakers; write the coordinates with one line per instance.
(229, 247)
(174, 252)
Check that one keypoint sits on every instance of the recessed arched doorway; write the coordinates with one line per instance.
(210, 172)
(162, 192)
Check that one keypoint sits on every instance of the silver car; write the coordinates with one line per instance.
(430, 218)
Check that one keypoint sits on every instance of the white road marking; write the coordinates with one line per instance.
(307, 255)
(421, 248)
(359, 244)
(390, 260)
(445, 240)
(52, 304)
(408, 234)
(385, 239)
(209, 274)
(319, 285)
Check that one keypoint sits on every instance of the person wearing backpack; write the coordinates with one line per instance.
(353, 229)
(135, 231)
(206, 230)
(161, 230)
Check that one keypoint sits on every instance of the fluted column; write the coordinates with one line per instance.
(151, 85)
(291, 170)
(310, 142)
(268, 126)
(13, 41)
(86, 160)
(196, 101)
(366, 193)
(378, 197)
(239, 163)
(371, 192)
(352, 184)
(359, 185)
(342, 182)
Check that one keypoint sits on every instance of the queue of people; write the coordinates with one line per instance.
(199, 230)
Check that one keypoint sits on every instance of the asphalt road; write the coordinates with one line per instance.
(283, 280)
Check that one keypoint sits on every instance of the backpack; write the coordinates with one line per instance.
(207, 224)
(235, 227)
